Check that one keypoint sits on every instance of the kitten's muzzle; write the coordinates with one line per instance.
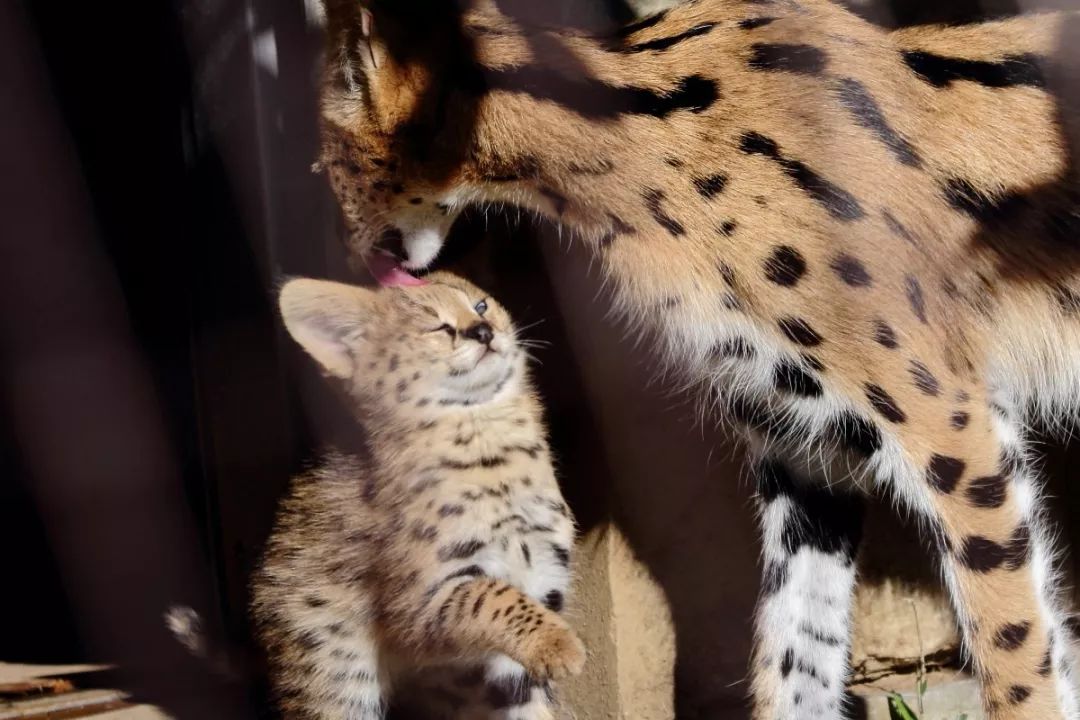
(481, 332)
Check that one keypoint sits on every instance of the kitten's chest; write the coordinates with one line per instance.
(523, 533)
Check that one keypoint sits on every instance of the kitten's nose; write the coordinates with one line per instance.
(481, 332)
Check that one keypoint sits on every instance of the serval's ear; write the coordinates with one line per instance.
(354, 48)
(330, 321)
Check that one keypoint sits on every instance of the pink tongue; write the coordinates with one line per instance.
(388, 273)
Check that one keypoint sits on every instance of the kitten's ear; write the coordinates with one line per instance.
(328, 319)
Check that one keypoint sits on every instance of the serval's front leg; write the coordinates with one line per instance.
(977, 495)
(810, 536)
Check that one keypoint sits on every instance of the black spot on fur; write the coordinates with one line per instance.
(828, 522)
(1019, 547)
(460, 550)
(1012, 635)
(851, 270)
(773, 481)
(727, 228)
(884, 403)
(819, 637)
(753, 23)
(820, 519)
(711, 185)
(940, 70)
(799, 331)
(735, 347)
(944, 473)
(790, 377)
(788, 57)
(562, 555)
(987, 209)
(597, 100)
(653, 198)
(981, 554)
(500, 170)
(1019, 693)
(554, 601)
(1047, 664)
(959, 420)
(727, 273)
(644, 23)
(812, 362)
(884, 335)
(924, 379)
(948, 286)
(864, 108)
(785, 266)
(987, 492)
(914, 293)
(838, 202)
(787, 662)
(666, 43)
(857, 433)
(618, 227)
(897, 228)
(484, 462)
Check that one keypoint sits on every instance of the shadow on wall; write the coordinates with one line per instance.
(631, 449)
(679, 496)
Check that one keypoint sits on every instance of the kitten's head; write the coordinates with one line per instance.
(414, 351)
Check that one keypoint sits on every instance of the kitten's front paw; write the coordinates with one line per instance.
(554, 652)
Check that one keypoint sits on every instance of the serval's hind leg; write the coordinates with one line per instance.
(970, 483)
(810, 537)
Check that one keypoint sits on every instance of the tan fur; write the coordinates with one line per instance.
(440, 547)
(974, 285)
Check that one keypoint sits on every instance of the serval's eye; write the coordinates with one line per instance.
(480, 307)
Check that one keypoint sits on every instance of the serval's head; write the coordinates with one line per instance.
(397, 109)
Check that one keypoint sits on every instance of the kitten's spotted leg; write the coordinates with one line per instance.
(330, 675)
(470, 614)
(803, 622)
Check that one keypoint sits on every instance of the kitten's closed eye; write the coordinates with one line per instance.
(448, 329)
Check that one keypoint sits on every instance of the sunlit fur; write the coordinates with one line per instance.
(858, 245)
(430, 570)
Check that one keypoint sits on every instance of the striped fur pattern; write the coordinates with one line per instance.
(859, 246)
(430, 575)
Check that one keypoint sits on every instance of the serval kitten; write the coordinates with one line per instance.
(441, 560)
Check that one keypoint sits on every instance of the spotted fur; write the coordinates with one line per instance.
(881, 289)
(433, 571)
